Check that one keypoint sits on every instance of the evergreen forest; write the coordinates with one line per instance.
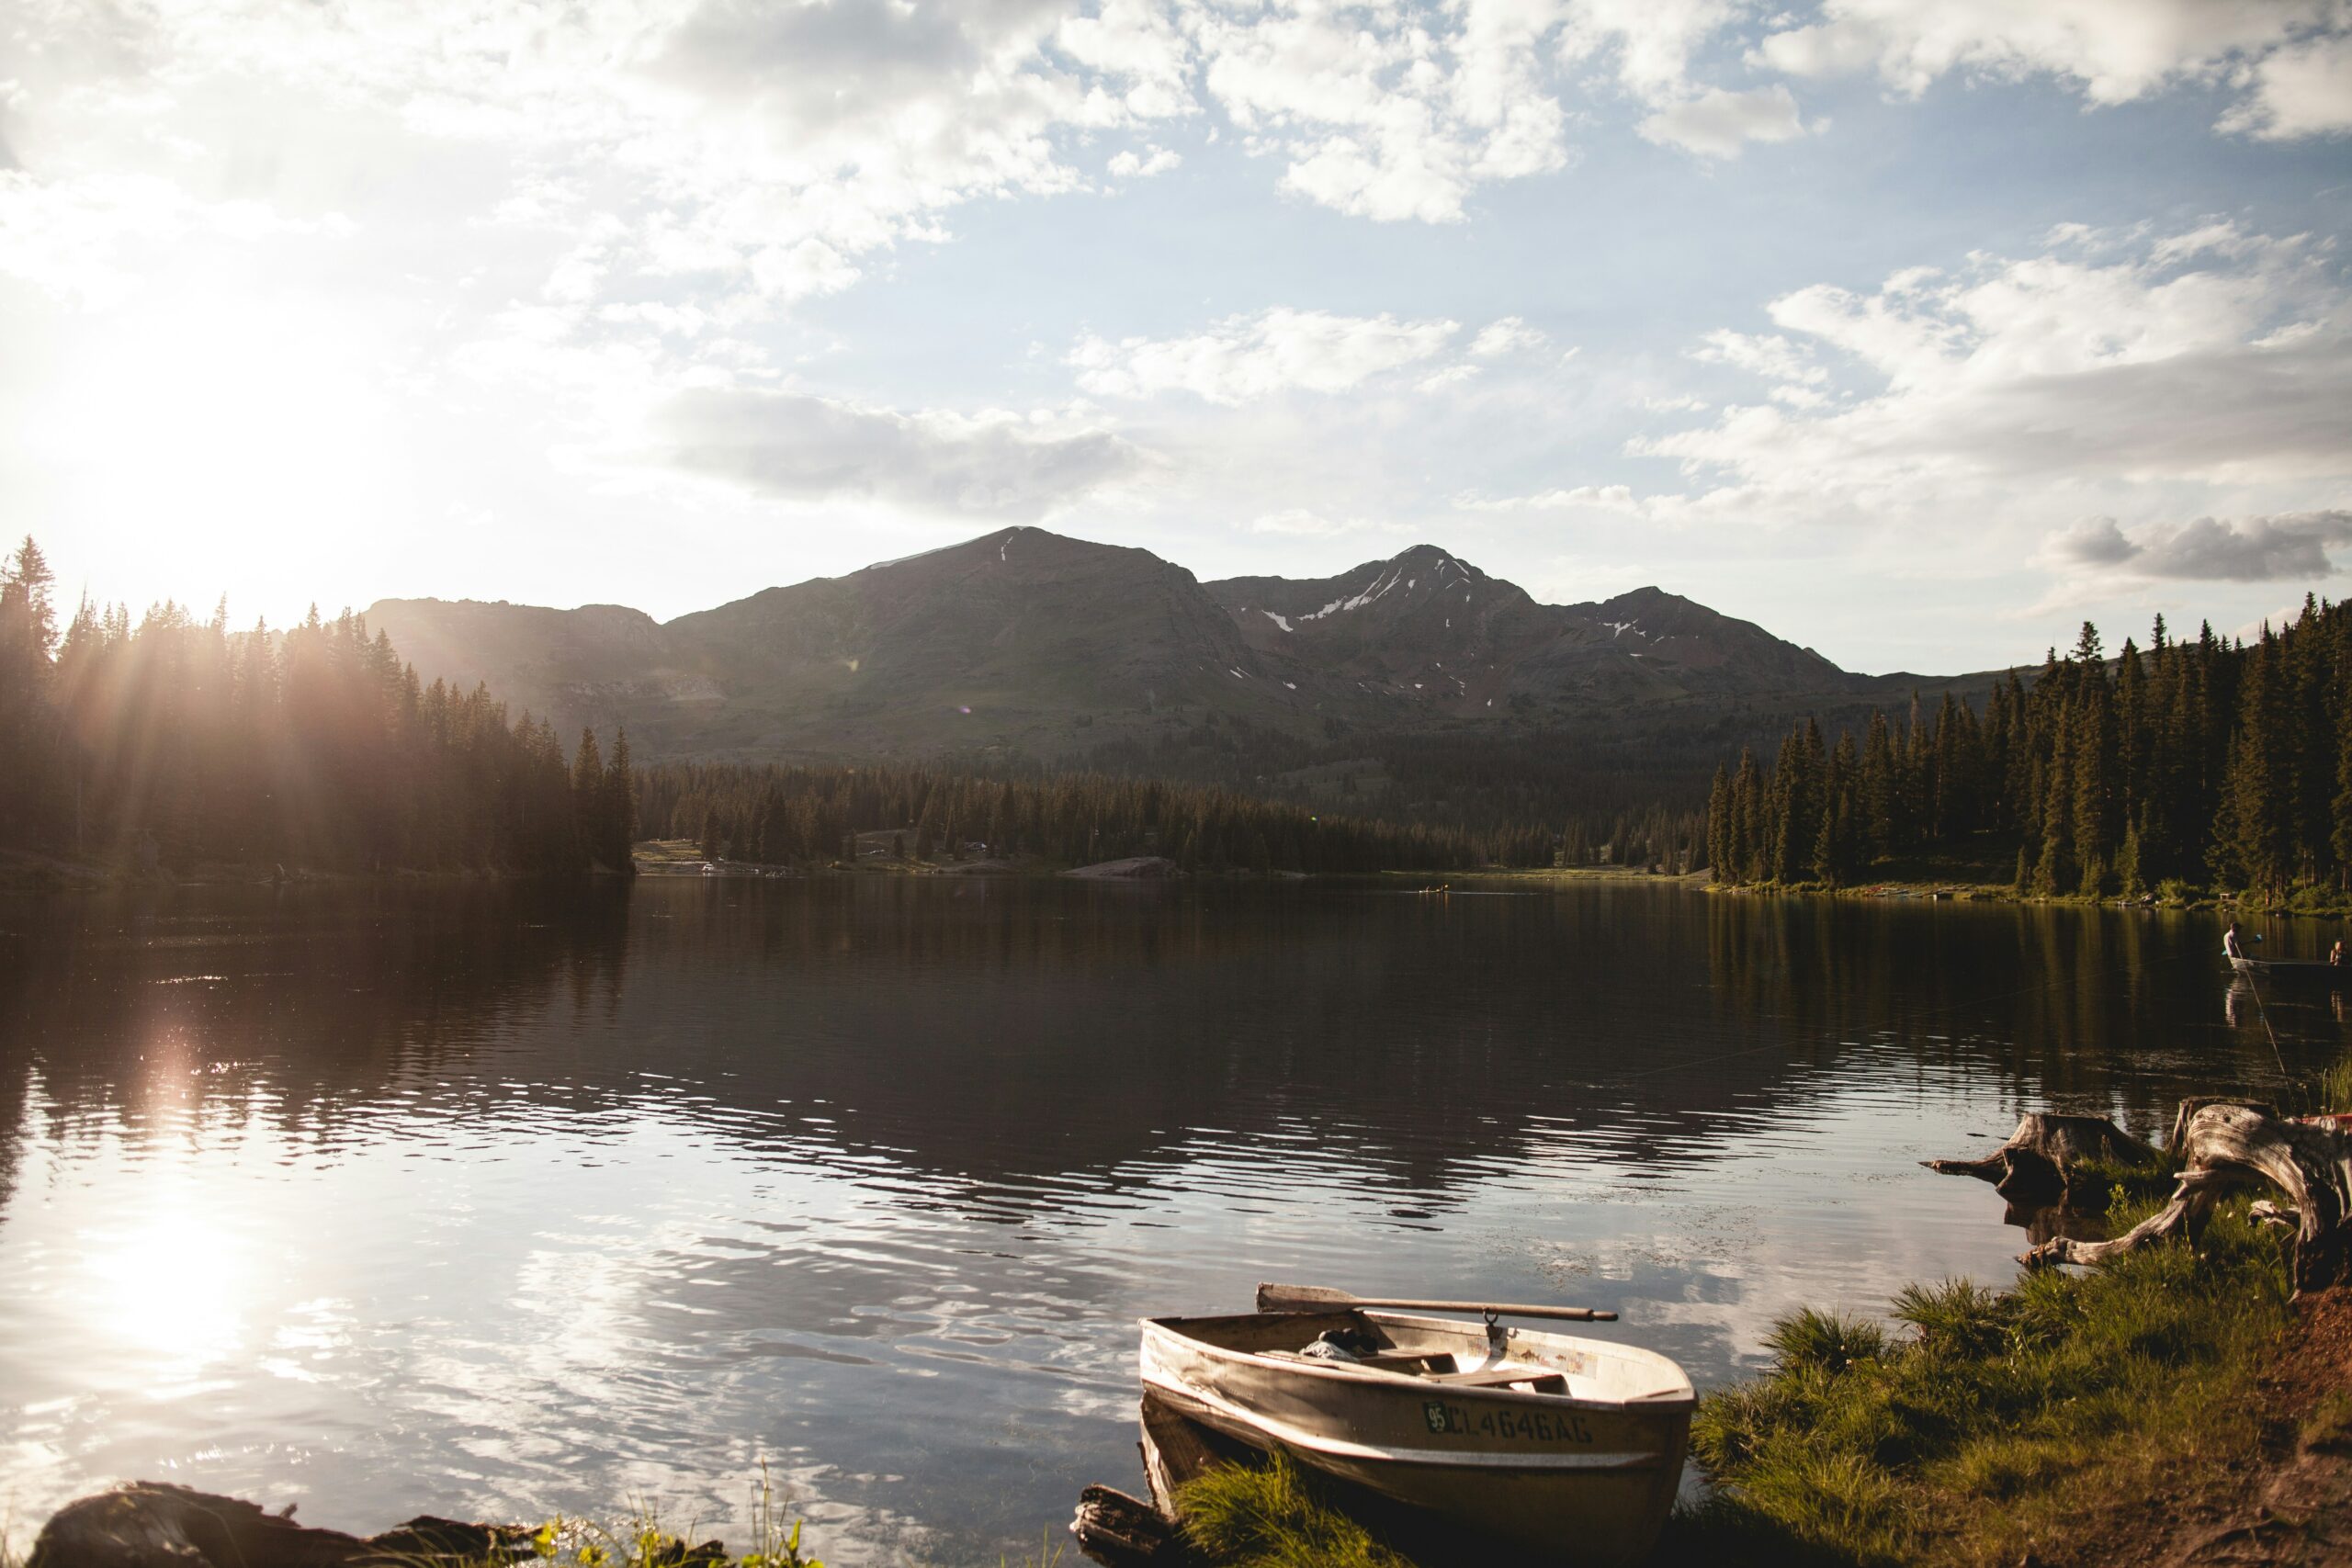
(175, 742)
(782, 816)
(2204, 763)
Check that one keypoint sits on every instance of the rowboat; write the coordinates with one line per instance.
(1559, 1446)
(2292, 969)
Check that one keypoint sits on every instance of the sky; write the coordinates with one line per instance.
(1916, 330)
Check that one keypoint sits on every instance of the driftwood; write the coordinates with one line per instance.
(2221, 1145)
(2036, 1167)
(149, 1524)
(1120, 1532)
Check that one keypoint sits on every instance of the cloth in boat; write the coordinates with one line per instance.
(1340, 1345)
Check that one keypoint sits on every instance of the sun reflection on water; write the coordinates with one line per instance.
(169, 1297)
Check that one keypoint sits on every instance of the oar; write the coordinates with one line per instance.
(1322, 1298)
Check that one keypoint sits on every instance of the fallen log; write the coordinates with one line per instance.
(2036, 1166)
(149, 1524)
(2220, 1146)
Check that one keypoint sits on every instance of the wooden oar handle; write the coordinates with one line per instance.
(1315, 1298)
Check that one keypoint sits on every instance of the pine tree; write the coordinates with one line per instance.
(617, 805)
(2255, 846)
(2127, 865)
(1880, 790)
(2088, 750)
(2054, 869)
(1719, 826)
(1836, 851)
(588, 796)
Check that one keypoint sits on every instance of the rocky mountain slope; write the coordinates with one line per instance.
(1024, 638)
(1427, 627)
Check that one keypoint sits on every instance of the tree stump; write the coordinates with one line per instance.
(2035, 1166)
(2222, 1144)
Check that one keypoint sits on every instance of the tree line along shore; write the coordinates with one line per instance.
(2196, 767)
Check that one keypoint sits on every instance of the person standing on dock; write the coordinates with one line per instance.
(2232, 945)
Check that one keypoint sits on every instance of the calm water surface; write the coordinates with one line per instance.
(500, 1203)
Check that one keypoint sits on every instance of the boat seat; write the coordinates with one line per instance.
(1500, 1377)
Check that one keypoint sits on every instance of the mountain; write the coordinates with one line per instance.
(1427, 622)
(1025, 639)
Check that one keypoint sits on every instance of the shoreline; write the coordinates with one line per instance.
(1939, 891)
(25, 872)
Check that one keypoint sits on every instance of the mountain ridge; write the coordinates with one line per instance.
(1024, 639)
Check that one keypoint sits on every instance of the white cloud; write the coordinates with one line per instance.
(1771, 356)
(1389, 114)
(1651, 44)
(1653, 39)
(1619, 500)
(1245, 357)
(2303, 90)
(764, 151)
(1300, 522)
(2253, 550)
(1509, 334)
(90, 238)
(796, 447)
(2217, 358)
(2111, 51)
(1138, 43)
(1131, 164)
(1717, 123)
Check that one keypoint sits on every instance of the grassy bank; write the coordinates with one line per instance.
(2001, 1422)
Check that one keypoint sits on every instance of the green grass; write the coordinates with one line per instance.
(2123, 1183)
(1240, 1517)
(2001, 1422)
(2335, 1085)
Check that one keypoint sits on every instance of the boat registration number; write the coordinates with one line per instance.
(1541, 1426)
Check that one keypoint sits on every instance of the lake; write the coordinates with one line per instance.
(497, 1201)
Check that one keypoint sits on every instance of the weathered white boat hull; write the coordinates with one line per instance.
(1564, 1476)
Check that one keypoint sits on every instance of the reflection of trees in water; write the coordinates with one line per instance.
(134, 1007)
(2084, 1008)
(1010, 1048)
(1007, 1036)
(1004, 1047)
